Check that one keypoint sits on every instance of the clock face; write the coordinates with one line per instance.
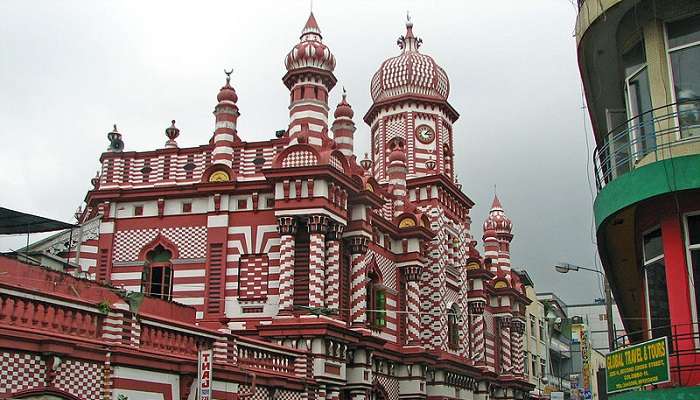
(425, 134)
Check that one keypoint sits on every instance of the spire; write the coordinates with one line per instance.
(409, 42)
(496, 204)
(343, 127)
(311, 30)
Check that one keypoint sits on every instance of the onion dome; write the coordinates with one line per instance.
(497, 221)
(227, 92)
(409, 73)
(310, 52)
(344, 109)
(397, 155)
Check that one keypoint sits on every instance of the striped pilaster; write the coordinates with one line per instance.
(478, 332)
(321, 392)
(505, 342)
(318, 225)
(397, 179)
(317, 255)
(108, 383)
(287, 228)
(413, 308)
(517, 330)
(358, 280)
(332, 287)
(332, 393)
(358, 395)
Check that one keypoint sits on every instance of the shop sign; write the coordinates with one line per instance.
(204, 364)
(639, 365)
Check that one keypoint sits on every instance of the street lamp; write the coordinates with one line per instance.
(564, 268)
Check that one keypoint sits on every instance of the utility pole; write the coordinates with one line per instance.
(609, 314)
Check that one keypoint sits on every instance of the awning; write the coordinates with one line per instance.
(13, 222)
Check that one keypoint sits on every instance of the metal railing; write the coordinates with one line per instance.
(684, 349)
(646, 138)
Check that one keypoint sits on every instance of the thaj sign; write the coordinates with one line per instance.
(204, 367)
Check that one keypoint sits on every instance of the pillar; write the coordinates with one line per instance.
(517, 328)
(226, 113)
(412, 274)
(505, 342)
(332, 285)
(318, 226)
(478, 332)
(287, 227)
(358, 280)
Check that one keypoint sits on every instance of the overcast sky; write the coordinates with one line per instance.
(69, 70)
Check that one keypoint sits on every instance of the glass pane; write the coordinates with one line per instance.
(695, 263)
(653, 246)
(694, 229)
(639, 98)
(683, 32)
(634, 58)
(657, 297)
(685, 64)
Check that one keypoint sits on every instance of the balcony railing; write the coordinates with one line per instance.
(684, 349)
(662, 133)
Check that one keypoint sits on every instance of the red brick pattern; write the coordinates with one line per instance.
(333, 274)
(253, 277)
(80, 378)
(286, 285)
(299, 159)
(317, 269)
(20, 371)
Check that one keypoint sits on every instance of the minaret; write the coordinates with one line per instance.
(397, 175)
(226, 113)
(410, 101)
(497, 238)
(309, 78)
(343, 127)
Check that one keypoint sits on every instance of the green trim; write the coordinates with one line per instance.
(645, 182)
(680, 393)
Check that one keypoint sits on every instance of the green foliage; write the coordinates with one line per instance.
(104, 307)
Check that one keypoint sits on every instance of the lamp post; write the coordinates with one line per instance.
(566, 267)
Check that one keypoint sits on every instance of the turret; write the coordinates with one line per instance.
(343, 127)
(397, 175)
(226, 113)
(309, 78)
(497, 238)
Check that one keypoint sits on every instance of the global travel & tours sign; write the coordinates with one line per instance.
(639, 365)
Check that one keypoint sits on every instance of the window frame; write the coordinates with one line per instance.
(689, 248)
(147, 284)
(669, 67)
(453, 341)
(375, 287)
(645, 264)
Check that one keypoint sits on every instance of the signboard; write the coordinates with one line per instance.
(585, 358)
(635, 366)
(204, 364)
(556, 396)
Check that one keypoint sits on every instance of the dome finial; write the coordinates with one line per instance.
(228, 75)
(409, 42)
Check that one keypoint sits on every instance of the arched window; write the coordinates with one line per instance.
(453, 327)
(376, 302)
(157, 276)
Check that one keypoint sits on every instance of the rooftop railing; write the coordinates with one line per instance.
(662, 133)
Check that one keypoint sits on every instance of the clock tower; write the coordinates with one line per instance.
(410, 109)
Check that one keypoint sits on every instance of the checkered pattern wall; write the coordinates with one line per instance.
(390, 384)
(80, 378)
(191, 241)
(254, 271)
(299, 159)
(20, 371)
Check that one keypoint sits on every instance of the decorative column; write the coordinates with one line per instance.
(333, 265)
(358, 281)
(517, 328)
(318, 225)
(226, 113)
(412, 274)
(504, 322)
(287, 227)
(478, 332)
(332, 393)
(358, 394)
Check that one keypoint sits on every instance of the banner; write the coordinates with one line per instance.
(639, 365)
(204, 379)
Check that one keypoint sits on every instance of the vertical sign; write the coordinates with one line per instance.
(204, 366)
(585, 359)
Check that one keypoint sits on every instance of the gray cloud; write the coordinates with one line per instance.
(69, 70)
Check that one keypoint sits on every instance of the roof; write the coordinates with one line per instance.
(12, 222)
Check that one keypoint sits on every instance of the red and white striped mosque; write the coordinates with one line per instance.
(313, 274)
